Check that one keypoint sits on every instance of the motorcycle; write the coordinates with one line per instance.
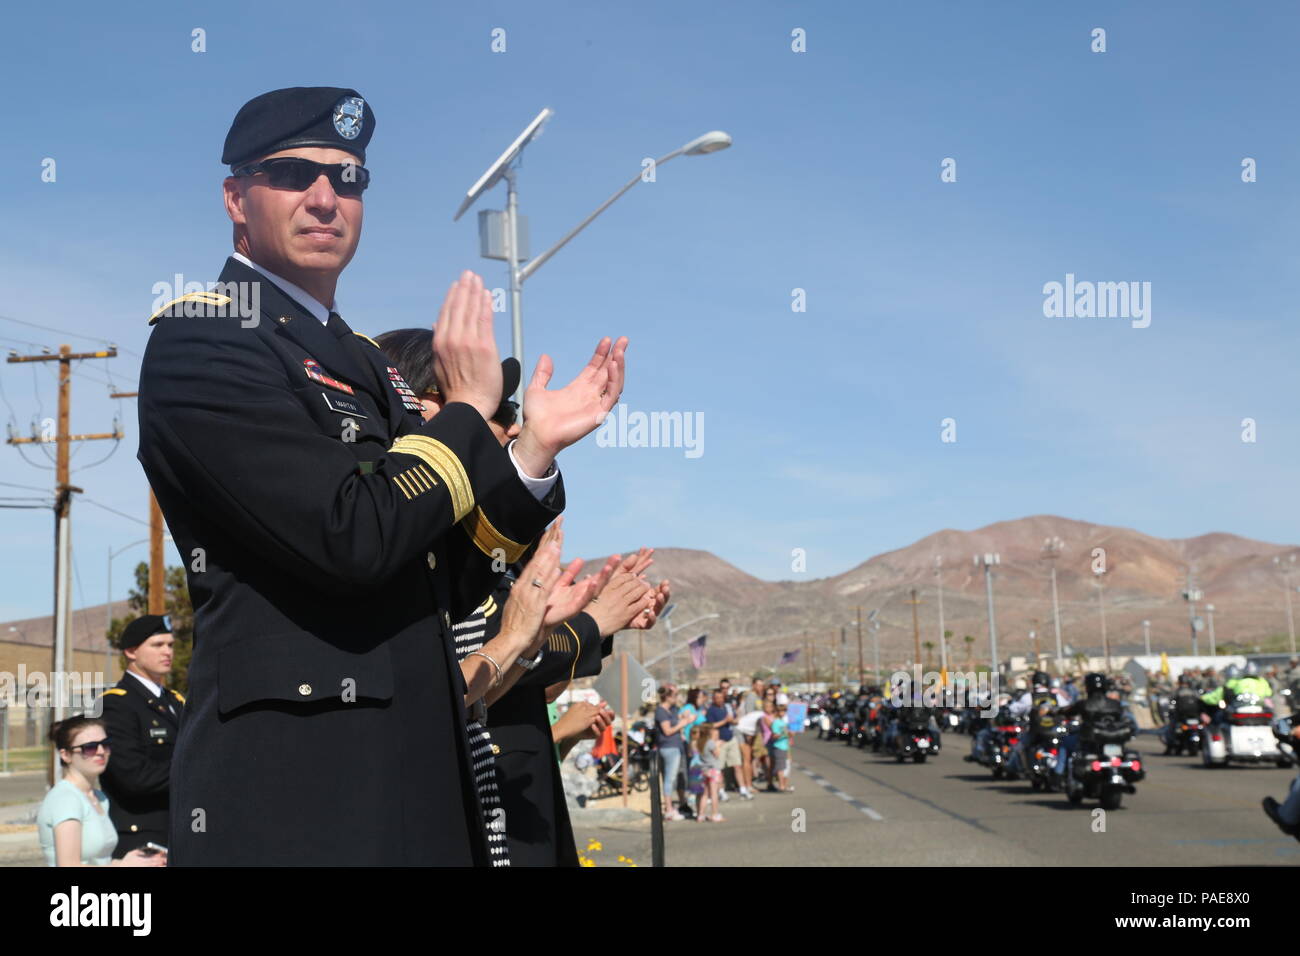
(1042, 758)
(1186, 738)
(950, 720)
(842, 726)
(1244, 735)
(1285, 742)
(1103, 768)
(915, 742)
(1003, 737)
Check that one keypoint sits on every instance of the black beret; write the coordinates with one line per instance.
(140, 630)
(329, 116)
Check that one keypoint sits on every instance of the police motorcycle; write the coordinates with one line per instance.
(1103, 768)
(1244, 734)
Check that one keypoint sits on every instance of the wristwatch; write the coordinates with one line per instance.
(531, 665)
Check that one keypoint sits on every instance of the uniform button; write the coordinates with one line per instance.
(304, 690)
(433, 562)
(283, 320)
(495, 750)
(134, 828)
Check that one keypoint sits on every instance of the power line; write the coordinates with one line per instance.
(10, 484)
(120, 514)
(77, 335)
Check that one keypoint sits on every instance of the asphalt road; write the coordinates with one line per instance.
(864, 809)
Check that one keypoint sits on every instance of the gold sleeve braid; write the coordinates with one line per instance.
(491, 541)
(444, 463)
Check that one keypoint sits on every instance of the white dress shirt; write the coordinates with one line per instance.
(154, 689)
(538, 487)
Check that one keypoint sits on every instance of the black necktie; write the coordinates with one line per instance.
(352, 344)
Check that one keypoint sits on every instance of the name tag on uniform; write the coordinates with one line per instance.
(344, 406)
(157, 731)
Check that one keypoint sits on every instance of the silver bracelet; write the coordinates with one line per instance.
(495, 666)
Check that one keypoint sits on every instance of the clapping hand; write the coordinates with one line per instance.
(466, 364)
(555, 419)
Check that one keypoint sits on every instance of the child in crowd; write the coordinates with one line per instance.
(709, 744)
(781, 749)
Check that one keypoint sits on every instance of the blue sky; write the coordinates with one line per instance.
(822, 428)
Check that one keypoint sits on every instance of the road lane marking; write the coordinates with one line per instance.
(969, 821)
(837, 792)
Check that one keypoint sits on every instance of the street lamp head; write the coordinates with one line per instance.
(710, 142)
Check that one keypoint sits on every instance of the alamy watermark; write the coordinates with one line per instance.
(1098, 300)
(959, 690)
(203, 300)
(623, 429)
(74, 691)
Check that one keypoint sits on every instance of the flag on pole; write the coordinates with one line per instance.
(697, 651)
(788, 658)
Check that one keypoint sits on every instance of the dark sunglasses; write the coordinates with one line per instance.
(507, 414)
(296, 173)
(88, 749)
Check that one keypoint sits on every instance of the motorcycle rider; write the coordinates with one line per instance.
(1097, 707)
(984, 736)
(1113, 692)
(1235, 683)
(1186, 707)
(1039, 719)
(1287, 814)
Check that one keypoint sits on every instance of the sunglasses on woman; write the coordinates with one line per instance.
(507, 414)
(93, 747)
(296, 173)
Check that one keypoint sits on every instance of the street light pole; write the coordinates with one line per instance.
(1286, 569)
(1101, 609)
(989, 559)
(1192, 595)
(862, 674)
(506, 167)
(1052, 548)
(943, 641)
(1146, 636)
(1209, 610)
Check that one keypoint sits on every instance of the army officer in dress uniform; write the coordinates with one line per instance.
(328, 535)
(141, 717)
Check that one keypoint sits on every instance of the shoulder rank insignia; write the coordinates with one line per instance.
(210, 300)
(367, 338)
(179, 696)
(116, 691)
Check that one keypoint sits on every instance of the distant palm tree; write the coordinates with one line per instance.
(970, 651)
(929, 646)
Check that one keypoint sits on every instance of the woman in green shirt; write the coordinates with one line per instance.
(73, 823)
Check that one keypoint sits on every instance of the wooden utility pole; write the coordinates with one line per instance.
(157, 577)
(63, 492)
(916, 628)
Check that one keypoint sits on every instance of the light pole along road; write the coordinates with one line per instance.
(499, 233)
